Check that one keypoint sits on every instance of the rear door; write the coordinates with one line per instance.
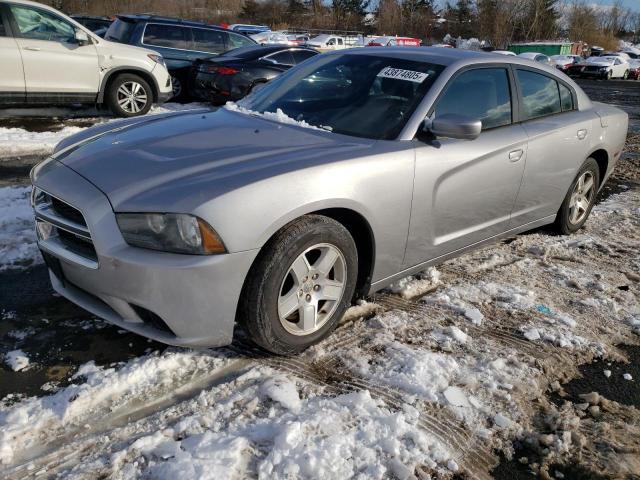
(558, 143)
(12, 88)
(173, 42)
(465, 190)
(55, 65)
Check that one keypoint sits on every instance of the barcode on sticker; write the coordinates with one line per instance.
(399, 74)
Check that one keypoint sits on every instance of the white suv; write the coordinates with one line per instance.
(47, 58)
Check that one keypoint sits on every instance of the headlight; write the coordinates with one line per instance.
(170, 232)
(157, 58)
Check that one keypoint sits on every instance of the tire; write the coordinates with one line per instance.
(567, 221)
(279, 326)
(609, 75)
(626, 75)
(116, 95)
(179, 84)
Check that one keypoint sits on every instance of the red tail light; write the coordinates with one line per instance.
(222, 70)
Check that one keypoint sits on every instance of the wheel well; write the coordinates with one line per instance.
(602, 158)
(144, 75)
(362, 235)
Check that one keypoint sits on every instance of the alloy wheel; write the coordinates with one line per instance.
(581, 198)
(132, 97)
(312, 289)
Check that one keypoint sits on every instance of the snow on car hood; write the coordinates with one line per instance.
(218, 150)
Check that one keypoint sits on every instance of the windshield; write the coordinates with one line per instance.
(120, 31)
(359, 95)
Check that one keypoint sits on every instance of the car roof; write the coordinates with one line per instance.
(142, 17)
(256, 51)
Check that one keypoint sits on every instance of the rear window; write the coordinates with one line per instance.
(120, 31)
(238, 41)
(539, 93)
(169, 36)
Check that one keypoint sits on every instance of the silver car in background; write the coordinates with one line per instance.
(349, 171)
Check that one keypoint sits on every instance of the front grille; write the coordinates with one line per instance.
(67, 211)
(62, 229)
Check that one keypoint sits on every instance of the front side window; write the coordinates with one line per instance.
(37, 24)
(211, 41)
(3, 32)
(358, 95)
(540, 94)
(169, 36)
(483, 94)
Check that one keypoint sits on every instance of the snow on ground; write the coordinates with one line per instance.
(16, 360)
(17, 232)
(17, 142)
(386, 395)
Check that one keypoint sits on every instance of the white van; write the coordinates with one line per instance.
(49, 59)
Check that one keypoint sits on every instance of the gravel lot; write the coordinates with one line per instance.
(520, 360)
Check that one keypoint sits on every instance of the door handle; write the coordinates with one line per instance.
(33, 49)
(515, 155)
(582, 134)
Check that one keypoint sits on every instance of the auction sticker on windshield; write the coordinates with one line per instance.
(399, 74)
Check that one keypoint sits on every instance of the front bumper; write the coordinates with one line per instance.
(185, 300)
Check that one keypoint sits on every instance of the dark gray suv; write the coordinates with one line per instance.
(180, 42)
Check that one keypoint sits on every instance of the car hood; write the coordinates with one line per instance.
(134, 164)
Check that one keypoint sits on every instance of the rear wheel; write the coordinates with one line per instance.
(609, 75)
(626, 75)
(580, 198)
(129, 95)
(300, 286)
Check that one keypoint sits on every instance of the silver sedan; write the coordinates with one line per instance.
(349, 171)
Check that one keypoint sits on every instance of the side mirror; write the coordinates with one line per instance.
(81, 37)
(454, 125)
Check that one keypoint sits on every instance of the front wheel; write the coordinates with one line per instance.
(626, 75)
(300, 286)
(580, 198)
(129, 95)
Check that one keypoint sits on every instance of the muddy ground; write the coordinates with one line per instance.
(61, 336)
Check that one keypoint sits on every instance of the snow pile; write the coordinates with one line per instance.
(15, 142)
(277, 116)
(262, 425)
(17, 232)
(17, 360)
(23, 423)
(414, 286)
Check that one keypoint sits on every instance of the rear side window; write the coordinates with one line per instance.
(283, 58)
(211, 41)
(169, 36)
(120, 31)
(237, 41)
(540, 94)
(3, 32)
(300, 56)
(483, 94)
(566, 99)
(41, 25)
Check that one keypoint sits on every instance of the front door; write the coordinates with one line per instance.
(54, 63)
(12, 78)
(464, 190)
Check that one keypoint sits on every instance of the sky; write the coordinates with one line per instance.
(632, 4)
